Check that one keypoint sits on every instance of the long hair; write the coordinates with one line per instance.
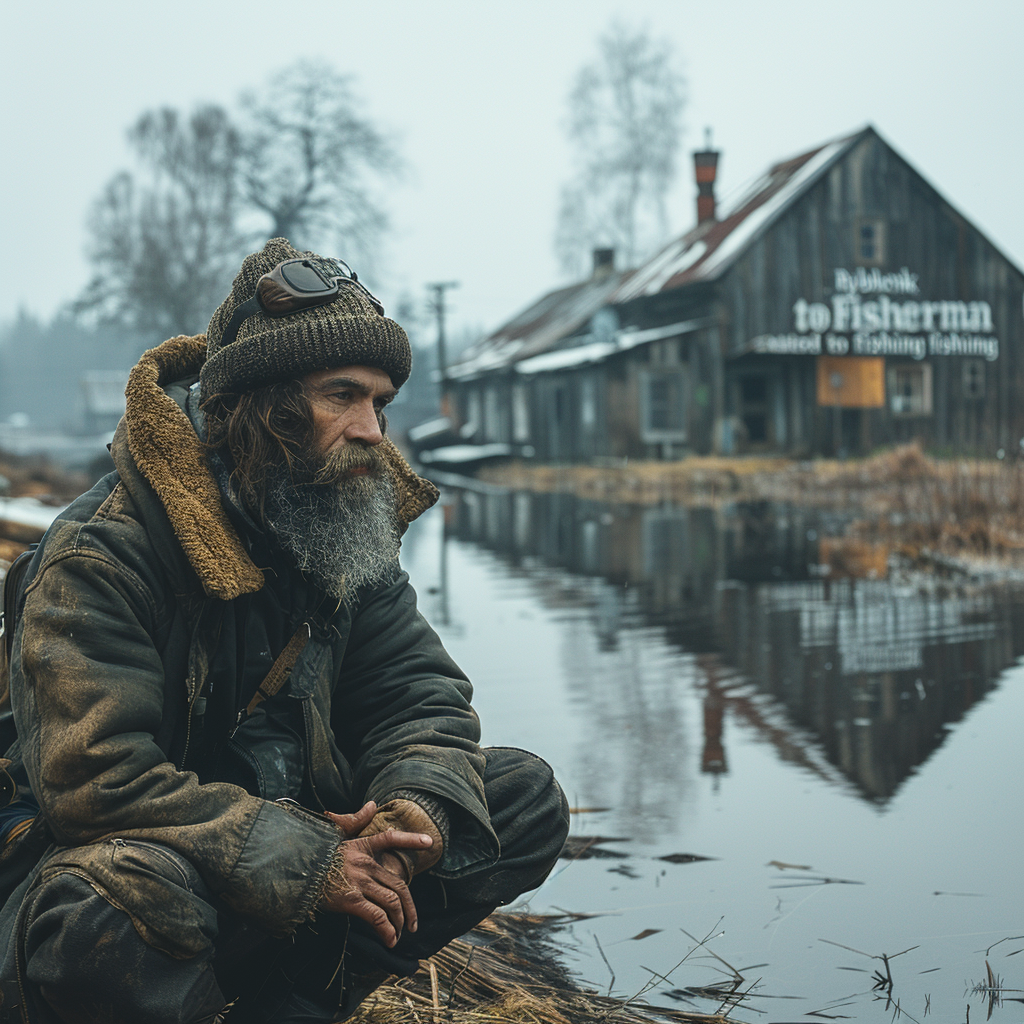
(269, 427)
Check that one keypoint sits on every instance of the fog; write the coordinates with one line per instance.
(474, 98)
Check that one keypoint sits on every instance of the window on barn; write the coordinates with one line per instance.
(520, 414)
(588, 402)
(974, 378)
(910, 390)
(663, 405)
(492, 416)
(472, 422)
(754, 407)
(869, 243)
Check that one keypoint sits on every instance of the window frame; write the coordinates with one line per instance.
(895, 399)
(879, 241)
(678, 376)
(974, 390)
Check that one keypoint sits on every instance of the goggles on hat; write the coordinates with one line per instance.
(294, 285)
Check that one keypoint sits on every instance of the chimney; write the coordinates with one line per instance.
(604, 263)
(705, 166)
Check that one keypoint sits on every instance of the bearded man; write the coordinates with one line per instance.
(250, 785)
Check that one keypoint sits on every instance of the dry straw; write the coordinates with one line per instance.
(506, 969)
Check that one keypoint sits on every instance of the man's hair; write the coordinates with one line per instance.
(271, 426)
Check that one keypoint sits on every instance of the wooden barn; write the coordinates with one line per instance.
(841, 305)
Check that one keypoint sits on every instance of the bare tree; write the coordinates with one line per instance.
(168, 237)
(625, 125)
(311, 160)
(164, 240)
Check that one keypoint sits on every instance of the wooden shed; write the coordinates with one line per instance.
(840, 305)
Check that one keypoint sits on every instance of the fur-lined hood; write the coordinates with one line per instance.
(160, 439)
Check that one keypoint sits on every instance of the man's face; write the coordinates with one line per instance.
(337, 515)
(348, 403)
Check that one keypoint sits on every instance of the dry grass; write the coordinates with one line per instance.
(906, 501)
(506, 969)
(922, 506)
(696, 479)
(37, 478)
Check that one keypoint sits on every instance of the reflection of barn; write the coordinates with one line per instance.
(841, 304)
(860, 675)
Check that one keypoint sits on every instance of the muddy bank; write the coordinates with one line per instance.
(32, 491)
(961, 515)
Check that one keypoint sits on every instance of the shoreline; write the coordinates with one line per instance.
(959, 516)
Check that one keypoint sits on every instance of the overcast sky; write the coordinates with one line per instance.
(474, 93)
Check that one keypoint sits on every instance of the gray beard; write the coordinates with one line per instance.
(344, 535)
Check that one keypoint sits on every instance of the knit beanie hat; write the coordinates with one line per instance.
(347, 331)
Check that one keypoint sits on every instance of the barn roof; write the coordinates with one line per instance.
(541, 326)
(703, 253)
(554, 321)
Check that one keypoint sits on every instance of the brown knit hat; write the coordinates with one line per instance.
(347, 331)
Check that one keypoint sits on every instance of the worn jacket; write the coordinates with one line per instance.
(137, 591)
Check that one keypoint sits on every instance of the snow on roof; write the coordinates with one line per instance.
(675, 258)
(422, 431)
(547, 336)
(460, 453)
(708, 249)
(539, 327)
(766, 206)
(597, 351)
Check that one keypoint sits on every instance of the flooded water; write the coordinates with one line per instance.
(844, 750)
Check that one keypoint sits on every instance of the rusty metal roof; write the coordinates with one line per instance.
(702, 254)
(541, 326)
(708, 249)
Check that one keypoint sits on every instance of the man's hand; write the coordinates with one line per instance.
(363, 882)
(352, 824)
(405, 816)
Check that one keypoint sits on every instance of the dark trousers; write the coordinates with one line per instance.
(89, 956)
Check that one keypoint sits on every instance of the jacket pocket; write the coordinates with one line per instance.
(157, 888)
(20, 854)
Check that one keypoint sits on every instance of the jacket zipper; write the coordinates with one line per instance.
(250, 760)
(192, 688)
(164, 856)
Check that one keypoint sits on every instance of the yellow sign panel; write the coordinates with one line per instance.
(853, 382)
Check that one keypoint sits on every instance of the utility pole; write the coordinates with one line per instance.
(437, 306)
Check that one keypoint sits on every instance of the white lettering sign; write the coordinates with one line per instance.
(880, 325)
(874, 282)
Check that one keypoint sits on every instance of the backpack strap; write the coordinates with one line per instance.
(14, 590)
(279, 672)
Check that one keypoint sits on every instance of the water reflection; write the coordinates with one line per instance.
(630, 699)
(855, 679)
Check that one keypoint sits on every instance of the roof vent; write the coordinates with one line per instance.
(604, 263)
(705, 166)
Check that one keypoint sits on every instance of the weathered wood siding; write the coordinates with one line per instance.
(797, 257)
(931, 296)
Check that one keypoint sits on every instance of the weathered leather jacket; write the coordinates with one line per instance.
(127, 669)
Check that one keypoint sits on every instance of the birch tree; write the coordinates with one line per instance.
(625, 124)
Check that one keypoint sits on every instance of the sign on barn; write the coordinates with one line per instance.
(861, 319)
(840, 304)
